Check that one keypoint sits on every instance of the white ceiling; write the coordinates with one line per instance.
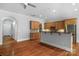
(49, 11)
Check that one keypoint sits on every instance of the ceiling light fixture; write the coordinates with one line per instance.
(26, 4)
(73, 4)
(54, 11)
(75, 9)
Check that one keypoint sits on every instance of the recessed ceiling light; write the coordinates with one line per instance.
(54, 11)
(73, 4)
(76, 9)
(26, 4)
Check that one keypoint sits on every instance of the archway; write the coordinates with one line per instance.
(9, 28)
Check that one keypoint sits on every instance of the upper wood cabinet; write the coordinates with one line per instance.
(60, 25)
(57, 25)
(70, 21)
(49, 25)
(35, 25)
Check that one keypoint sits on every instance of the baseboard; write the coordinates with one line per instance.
(78, 41)
(0, 43)
(20, 40)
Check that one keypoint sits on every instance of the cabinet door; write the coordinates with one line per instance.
(70, 21)
(60, 25)
(35, 25)
(35, 36)
(49, 25)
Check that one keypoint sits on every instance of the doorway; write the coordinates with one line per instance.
(8, 30)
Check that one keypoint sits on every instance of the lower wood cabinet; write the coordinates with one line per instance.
(35, 36)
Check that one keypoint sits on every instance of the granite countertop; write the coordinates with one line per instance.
(54, 32)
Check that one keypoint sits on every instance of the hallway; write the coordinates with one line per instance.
(8, 40)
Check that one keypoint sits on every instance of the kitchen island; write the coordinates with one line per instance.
(59, 40)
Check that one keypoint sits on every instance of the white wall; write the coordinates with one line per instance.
(23, 25)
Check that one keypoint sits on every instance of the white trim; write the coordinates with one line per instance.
(19, 40)
(71, 43)
(0, 43)
(77, 41)
(14, 21)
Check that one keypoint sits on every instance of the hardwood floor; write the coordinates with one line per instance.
(34, 48)
(77, 49)
(6, 48)
(8, 40)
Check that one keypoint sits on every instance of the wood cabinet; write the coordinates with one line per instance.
(48, 25)
(35, 25)
(35, 36)
(57, 25)
(70, 21)
(60, 25)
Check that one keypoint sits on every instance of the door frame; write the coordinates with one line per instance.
(14, 25)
